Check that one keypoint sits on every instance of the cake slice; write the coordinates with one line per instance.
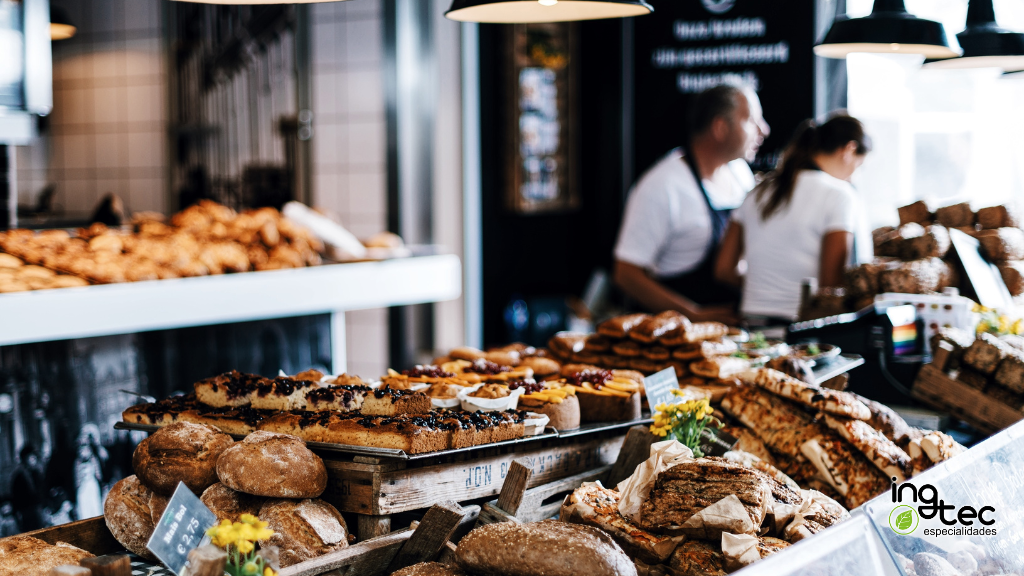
(229, 389)
(391, 402)
(343, 398)
(241, 420)
(162, 413)
(282, 393)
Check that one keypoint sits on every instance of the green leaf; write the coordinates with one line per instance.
(905, 520)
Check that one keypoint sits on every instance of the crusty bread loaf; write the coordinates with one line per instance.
(917, 212)
(28, 556)
(549, 548)
(1002, 244)
(182, 452)
(273, 465)
(429, 569)
(304, 529)
(955, 216)
(1013, 275)
(229, 504)
(131, 511)
(997, 217)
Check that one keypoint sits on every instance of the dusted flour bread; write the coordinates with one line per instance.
(273, 465)
(229, 504)
(955, 216)
(181, 452)
(997, 217)
(28, 556)
(985, 354)
(429, 569)
(304, 529)
(1013, 276)
(917, 212)
(1010, 372)
(930, 242)
(1002, 244)
(131, 511)
(916, 277)
(548, 548)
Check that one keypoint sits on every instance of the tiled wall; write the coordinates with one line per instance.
(349, 173)
(108, 130)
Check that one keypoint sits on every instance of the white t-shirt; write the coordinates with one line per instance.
(785, 249)
(667, 225)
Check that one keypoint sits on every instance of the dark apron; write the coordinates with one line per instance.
(699, 284)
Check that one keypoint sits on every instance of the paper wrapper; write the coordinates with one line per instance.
(637, 487)
(726, 515)
(739, 550)
(472, 404)
(808, 518)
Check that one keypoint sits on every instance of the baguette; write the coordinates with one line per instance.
(548, 548)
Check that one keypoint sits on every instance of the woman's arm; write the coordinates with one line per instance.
(835, 252)
(729, 254)
(655, 296)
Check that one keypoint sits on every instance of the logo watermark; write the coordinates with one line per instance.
(917, 504)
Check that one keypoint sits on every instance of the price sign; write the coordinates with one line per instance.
(714, 442)
(181, 529)
(659, 387)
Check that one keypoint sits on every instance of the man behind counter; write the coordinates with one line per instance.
(674, 220)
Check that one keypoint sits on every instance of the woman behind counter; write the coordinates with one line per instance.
(798, 223)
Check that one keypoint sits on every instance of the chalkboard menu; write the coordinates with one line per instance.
(687, 46)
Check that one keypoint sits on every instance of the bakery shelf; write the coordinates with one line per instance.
(839, 365)
(46, 315)
(602, 426)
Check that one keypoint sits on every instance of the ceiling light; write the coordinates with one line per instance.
(529, 11)
(61, 27)
(985, 44)
(247, 2)
(889, 29)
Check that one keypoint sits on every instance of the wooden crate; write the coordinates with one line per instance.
(380, 487)
(935, 388)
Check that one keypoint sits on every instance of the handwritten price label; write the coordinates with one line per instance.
(181, 529)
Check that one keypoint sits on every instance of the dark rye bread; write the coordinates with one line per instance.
(230, 504)
(272, 465)
(917, 212)
(548, 548)
(181, 452)
(28, 556)
(688, 488)
(303, 529)
(131, 511)
(162, 413)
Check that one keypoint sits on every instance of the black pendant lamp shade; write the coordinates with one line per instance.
(61, 27)
(889, 29)
(985, 44)
(529, 11)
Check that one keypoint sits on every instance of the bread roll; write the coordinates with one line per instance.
(272, 465)
(303, 529)
(28, 556)
(541, 366)
(182, 452)
(131, 512)
(917, 212)
(997, 217)
(549, 548)
(229, 504)
(955, 216)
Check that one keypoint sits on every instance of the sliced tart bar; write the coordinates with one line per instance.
(162, 413)
(242, 420)
(282, 393)
(232, 388)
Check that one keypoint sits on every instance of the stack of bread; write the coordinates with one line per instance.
(269, 475)
(207, 238)
(991, 364)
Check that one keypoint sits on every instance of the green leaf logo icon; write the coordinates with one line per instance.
(905, 520)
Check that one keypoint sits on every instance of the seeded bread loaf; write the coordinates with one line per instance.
(131, 511)
(272, 465)
(304, 529)
(182, 452)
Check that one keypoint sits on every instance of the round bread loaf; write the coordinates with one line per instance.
(131, 511)
(304, 529)
(272, 465)
(429, 569)
(28, 556)
(182, 452)
(229, 504)
(549, 548)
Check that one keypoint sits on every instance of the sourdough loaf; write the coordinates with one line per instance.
(272, 465)
(304, 529)
(230, 504)
(182, 452)
(28, 556)
(131, 511)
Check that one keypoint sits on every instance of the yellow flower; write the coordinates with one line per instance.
(245, 546)
(249, 519)
(268, 571)
(250, 568)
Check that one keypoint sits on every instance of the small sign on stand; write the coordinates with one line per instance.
(182, 528)
(659, 387)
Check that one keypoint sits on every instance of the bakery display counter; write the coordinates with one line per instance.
(41, 316)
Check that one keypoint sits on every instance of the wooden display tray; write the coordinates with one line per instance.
(935, 388)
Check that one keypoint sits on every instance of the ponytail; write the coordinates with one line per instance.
(776, 190)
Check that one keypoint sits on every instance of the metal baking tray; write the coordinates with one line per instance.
(603, 426)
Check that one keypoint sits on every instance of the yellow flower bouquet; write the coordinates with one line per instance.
(684, 421)
(239, 540)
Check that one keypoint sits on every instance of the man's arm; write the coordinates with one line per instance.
(729, 254)
(655, 296)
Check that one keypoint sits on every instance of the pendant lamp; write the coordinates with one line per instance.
(985, 44)
(61, 27)
(532, 11)
(889, 29)
(239, 2)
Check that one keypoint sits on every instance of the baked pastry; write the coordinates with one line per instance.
(829, 401)
(705, 349)
(597, 344)
(548, 548)
(272, 465)
(429, 569)
(955, 216)
(917, 212)
(620, 326)
(656, 354)
(604, 397)
(887, 421)
(654, 327)
(229, 389)
(303, 530)
(882, 452)
(594, 505)
(160, 413)
(230, 504)
(917, 242)
(694, 333)
(239, 421)
(1002, 244)
(28, 556)
(997, 217)
(697, 558)
(719, 367)
(555, 400)
(975, 380)
(626, 348)
(565, 344)
(1010, 372)
(985, 354)
(181, 452)
(342, 397)
(1013, 276)
(282, 393)
(131, 512)
(541, 366)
